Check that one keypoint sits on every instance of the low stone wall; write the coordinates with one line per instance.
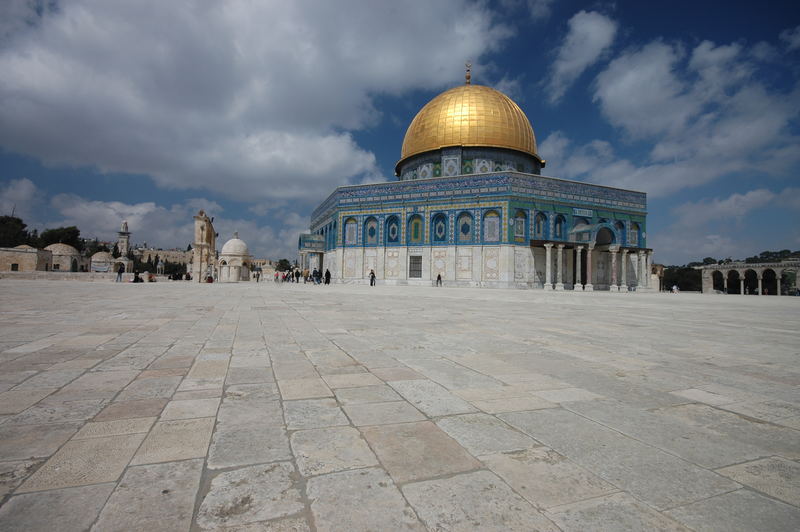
(71, 276)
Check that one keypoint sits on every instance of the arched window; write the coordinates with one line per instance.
(439, 229)
(540, 226)
(415, 234)
(620, 228)
(350, 232)
(491, 226)
(633, 235)
(392, 230)
(561, 222)
(520, 226)
(371, 232)
(464, 228)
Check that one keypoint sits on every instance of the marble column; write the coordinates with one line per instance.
(624, 271)
(560, 267)
(741, 285)
(588, 287)
(578, 275)
(613, 287)
(548, 271)
(778, 283)
(640, 269)
(725, 284)
(760, 291)
(648, 257)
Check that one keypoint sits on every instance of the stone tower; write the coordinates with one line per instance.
(123, 239)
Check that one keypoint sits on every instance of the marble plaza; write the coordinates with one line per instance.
(184, 406)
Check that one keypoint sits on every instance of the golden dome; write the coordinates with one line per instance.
(469, 115)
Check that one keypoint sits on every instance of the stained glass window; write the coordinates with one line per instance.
(464, 228)
(350, 232)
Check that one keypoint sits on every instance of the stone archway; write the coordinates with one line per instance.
(750, 282)
(718, 281)
(734, 284)
(769, 282)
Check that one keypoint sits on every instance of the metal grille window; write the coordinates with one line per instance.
(415, 266)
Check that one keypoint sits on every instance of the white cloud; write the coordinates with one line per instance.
(702, 114)
(252, 100)
(736, 205)
(590, 35)
(792, 38)
(19, 196)
(540, 9)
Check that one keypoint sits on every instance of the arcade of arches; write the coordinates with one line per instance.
(741, 278)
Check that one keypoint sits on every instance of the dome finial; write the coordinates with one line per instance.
(236, 234)
(468, 64)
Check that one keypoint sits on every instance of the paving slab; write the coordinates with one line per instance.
(380, 393)
(175, 440)
(237, 445)
(484, 434)
(132, 409)
(33, 441)
(545, 478)
(82, 462)
(190, 408)
(432, 399)
(70, 509)
(413, 451)
(396, 374)
(117, 427)
(775, 476)
(13, 473)
(250, 495)
(361, 500)
(618, 512)
(15, 401)
(313, 413)
(382, 413)
(474, 501)
(739, 510)
(328, 450)
(164, 496)
(651, 475)
(304, 389)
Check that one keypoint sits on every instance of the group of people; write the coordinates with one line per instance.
(295, 275)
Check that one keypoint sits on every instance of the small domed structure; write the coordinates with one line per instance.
(65, 257)
(234, 261)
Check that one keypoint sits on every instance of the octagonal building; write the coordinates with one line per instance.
(471, 207)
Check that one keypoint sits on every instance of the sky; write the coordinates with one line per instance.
(255, 111)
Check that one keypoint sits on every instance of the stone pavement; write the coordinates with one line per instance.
(178, 406)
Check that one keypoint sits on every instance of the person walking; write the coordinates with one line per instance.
(439, 280)
(120, 271)
(372, 277)
(327, 276)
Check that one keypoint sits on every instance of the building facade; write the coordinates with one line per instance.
(471, 208)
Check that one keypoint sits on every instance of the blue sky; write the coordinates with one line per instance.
(150, 110)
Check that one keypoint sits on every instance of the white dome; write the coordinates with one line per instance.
(234, 246)
(62, 249)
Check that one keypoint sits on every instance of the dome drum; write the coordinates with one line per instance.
(464, 161)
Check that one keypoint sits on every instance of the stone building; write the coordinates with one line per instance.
(25, 258)
(204, 248)
(762, 278)
(469, 205)
(234, 261)
(67, 259)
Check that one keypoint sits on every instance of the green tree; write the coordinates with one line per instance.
(283, 265)
(12, 232)
(115, 252)
(66, 235)
(684, 277)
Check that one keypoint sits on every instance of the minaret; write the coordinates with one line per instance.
(123, 239)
